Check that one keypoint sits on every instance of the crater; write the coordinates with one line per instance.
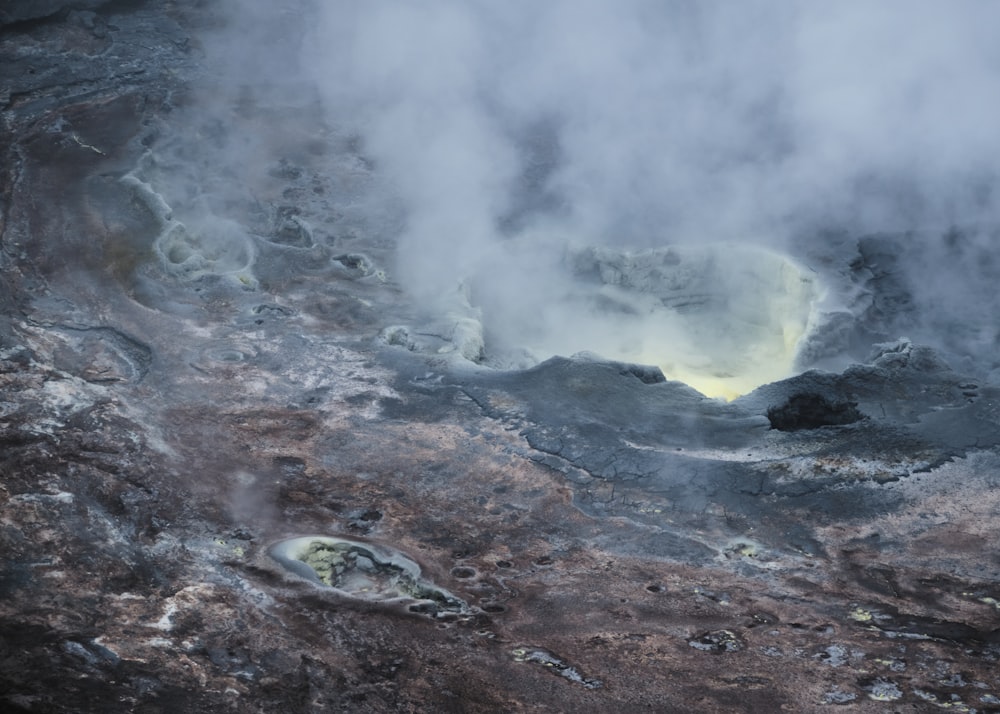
(365, 571)
(225, 354)
(555, 664)
(211, 245)
(722, 318)
(290, 229)
(354, 265)
(200, 245)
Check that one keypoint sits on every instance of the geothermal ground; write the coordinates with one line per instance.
(241, 471)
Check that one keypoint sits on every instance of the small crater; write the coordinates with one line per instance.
(367, 572)
(554, 664)
(654, 588)
(743, 549)
(224, 354)
(291, 230)
(398, 336)
(717, 641)
(504, 564)
(364, 521)
(213, 246)
(762, 618)
(834, 656)
(462, 572)
(356, 265)
(227, 355)
(494, 608)
(272, 310)
(721, 598)
(838, 696)
(882, 690)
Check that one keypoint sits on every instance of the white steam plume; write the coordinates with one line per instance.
(508, 128)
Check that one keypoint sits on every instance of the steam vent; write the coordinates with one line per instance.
(723, 319)
(301, 410)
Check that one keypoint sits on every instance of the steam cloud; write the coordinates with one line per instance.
(509, 130)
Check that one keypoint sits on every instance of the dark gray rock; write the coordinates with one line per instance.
(12, 11)
(161, 430)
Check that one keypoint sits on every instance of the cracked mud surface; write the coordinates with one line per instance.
(587, 536)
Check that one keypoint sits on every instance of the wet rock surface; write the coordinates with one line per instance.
(195, 371)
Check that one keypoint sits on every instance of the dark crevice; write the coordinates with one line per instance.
(812, 411)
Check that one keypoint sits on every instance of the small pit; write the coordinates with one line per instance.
(365, 571)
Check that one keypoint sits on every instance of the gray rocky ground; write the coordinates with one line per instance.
(589, 536)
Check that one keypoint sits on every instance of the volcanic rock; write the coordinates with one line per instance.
(205, 356)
